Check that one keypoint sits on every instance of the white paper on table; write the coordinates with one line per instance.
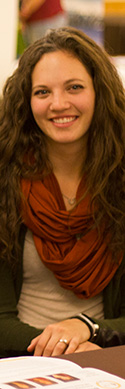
(40, 372)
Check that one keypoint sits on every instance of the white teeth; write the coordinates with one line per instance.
(64, 120)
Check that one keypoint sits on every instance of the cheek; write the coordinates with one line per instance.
(90, 104)
(87, 103)
(38, 108)
(87, 108)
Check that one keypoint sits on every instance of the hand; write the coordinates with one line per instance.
(87, 346)
(47, 344)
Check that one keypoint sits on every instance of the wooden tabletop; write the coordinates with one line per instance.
(110, 359)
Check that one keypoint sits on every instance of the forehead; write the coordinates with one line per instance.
(59, 63)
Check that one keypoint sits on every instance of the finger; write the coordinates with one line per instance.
(74, 343)
(59, 349)
(43, 340)
(33, 343)
(87, 346)
(51, 345)
(39, 342)
(39, 348)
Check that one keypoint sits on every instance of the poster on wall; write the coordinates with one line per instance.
(86, 15)
(20, 41)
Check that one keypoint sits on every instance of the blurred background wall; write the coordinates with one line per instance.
(88, 16)
(8, 37)
(103, 20)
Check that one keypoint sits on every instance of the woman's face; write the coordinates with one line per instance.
(63, 97)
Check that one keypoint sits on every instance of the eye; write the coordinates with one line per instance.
(76, 87)
(41, 92)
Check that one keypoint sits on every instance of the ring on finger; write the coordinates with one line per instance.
(64, 341)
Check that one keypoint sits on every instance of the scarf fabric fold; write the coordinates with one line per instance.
(80, 260)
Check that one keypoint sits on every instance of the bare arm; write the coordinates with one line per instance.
(29, 7)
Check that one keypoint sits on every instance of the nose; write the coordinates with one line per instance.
(59, 102)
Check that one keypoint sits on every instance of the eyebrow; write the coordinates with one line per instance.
(65, 83)
(39, 86)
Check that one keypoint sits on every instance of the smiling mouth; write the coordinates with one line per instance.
(64, 120)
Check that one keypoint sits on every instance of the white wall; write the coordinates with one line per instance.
(90, 7)
(8, 37)
(8, 33)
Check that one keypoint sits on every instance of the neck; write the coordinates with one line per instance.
(67, 159)
(68, 164)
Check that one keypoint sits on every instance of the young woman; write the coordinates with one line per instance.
(62, 271)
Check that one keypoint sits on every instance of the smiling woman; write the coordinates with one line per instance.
(62, 105)
(61, 199)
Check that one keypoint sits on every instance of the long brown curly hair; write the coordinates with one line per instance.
(20, 137)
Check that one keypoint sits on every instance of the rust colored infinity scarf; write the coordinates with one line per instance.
(83, 265)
